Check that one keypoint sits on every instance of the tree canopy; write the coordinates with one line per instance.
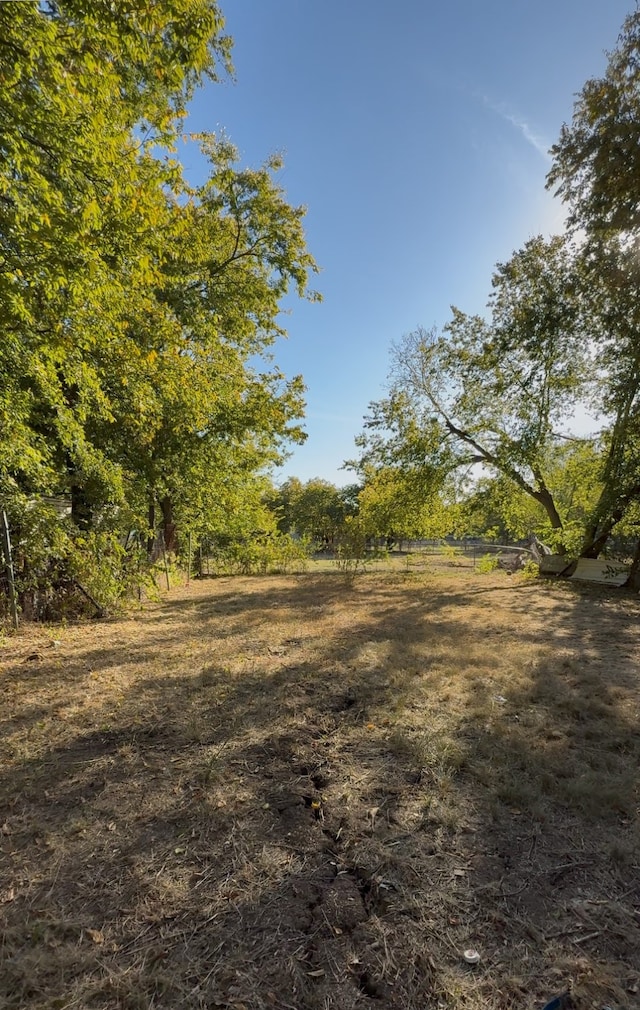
(494, 396)
(595, 171)
(492, 392)
(596, 161)
(315, 510)
(137, 308)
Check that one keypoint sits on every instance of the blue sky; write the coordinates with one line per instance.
(416, 134)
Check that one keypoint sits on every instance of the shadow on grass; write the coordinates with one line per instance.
(304, 793)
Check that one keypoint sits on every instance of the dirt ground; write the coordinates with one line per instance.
(315, 792)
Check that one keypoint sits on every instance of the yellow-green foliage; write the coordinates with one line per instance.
(530, 570)
(278, 553)
(487, 563)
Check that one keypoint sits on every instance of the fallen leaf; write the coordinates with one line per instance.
(7, 896)
(179, 851)
(95, 934)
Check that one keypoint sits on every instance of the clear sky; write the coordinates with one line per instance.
(416, 134)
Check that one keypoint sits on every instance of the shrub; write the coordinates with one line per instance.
(487, 563)
(109, 571)
(273, 554)
(351, 548)
(450, 551)
(530, 569)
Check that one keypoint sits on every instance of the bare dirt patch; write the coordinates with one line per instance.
(300, 792)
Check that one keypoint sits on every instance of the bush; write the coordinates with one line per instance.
(110, 572)
(530, 569)
(487, 563)
(450, 551)
(273, 554)
(78, 574)
(351, 548)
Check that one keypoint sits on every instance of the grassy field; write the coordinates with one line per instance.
(309, 792)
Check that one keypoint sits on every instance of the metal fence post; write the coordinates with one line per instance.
(8, 563)
(164, 558)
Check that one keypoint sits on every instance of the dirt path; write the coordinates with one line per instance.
(300, 793)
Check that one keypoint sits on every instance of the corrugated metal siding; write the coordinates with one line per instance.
(608, 573)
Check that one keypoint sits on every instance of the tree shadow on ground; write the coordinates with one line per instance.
(294, 793)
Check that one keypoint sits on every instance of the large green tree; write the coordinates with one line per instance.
(562, 334)
(497, 506)
(135, 308)
(315, 509)
(194, 407)
(596, 161)
(392, 504)
(86, 93)
(493, 392)
(595, 171)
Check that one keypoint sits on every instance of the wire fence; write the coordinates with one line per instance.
(473, 548)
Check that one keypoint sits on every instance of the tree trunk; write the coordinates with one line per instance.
(591, 548)
(168, 526)
(545, 498)
(599, 533)
(633, 582)
(606, 516)
(81, 512)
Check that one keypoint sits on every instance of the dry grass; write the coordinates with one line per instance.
(296, 792)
